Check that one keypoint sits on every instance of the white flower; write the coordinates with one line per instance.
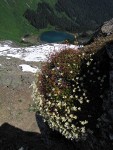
(78, 87)
(79, 108)
(59, 104)
(46, 76)
(99, 78)
(73, 126)
(102, 80)
(104, 76)
(71, 116)
(69, 120)
(81, 84)
(88, 63)
(59, 83)
(63, 119)
(49, 94)
(76, 96)
(81, 102)
(83, 122)
(60, 79)
(55, 94)
(71, 71)
(87, 101)
(75, 117)
(81, 98)
(97, 71)
(71, 96)
(84, 75)
(74, 90)
(91, 59)
(58, 68)
(49, 103)
(76, 135)
(74, 108)
(91, 73)
(55, 110)
(94, 68)
(84, 94)
(66, 124)
(83, 130)
(81, 78)
(53, 114)
(77, 83)
(64, 104)
(101, 96)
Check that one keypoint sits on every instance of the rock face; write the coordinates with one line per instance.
(104, 30)
(107, 28)
(102, 139)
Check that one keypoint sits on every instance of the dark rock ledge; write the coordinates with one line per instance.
(103, 139)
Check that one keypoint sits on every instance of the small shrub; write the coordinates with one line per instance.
(69, 90)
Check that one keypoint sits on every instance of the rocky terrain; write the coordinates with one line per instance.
(15, 95)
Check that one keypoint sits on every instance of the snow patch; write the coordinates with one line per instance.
(8, 58)
(28, 68)
(32, 53)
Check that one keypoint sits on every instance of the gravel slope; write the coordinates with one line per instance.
(15, 94)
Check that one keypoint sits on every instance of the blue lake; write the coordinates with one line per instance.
(55, 36)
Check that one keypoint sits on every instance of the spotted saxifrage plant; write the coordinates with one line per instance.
(69, 91)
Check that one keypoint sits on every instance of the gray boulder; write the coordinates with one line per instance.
(107, 27)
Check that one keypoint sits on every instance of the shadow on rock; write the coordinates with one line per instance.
(12, 138)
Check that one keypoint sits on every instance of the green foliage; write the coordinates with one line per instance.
(70, 88)
(70, 15)
(13, 25)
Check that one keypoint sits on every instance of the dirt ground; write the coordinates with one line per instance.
(15, 94)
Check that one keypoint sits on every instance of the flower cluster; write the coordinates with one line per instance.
(68, 92)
